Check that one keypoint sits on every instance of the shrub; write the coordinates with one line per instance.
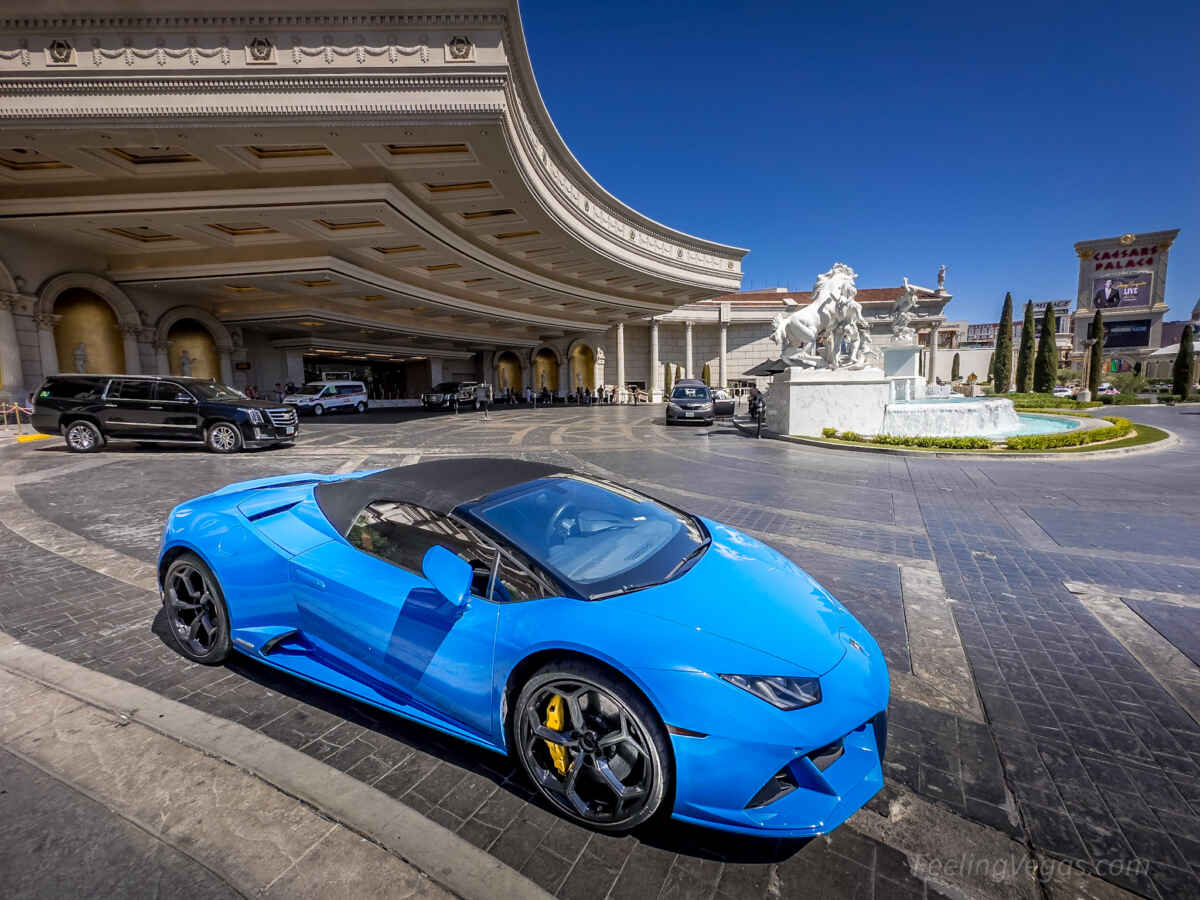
(1169, 398)
(954, 365)
(851, 436)
(828, 432)
(941, 443)
(1049, 401)
(1120, 399)
(1119, 428)
(1130, 382)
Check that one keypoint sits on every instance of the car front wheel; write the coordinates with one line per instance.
(223, 437)
(360, 406)
(318, 410)
(196, 613)
(593, 746)
(83, 437)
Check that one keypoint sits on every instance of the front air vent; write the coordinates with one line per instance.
(781, 784)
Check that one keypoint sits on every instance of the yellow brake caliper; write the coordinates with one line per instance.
(554, 721)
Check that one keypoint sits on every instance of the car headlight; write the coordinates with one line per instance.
(781, 691)
(675, 407)
(256, 417)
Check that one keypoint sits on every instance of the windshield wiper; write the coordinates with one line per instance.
(625, 589)
(696, 551)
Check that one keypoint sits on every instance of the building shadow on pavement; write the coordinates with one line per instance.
(667, 835)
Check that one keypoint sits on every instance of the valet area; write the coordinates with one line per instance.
(273, 198)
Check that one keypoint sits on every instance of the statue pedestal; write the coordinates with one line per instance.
(805, 401)
(902, 361)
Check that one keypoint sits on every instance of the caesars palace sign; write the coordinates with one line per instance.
(1125, 258)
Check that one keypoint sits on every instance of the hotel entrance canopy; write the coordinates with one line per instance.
(389, 173)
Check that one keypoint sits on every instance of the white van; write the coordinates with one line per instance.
(320, 397)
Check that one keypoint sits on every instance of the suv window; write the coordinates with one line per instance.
(131, 390)
(401, 533)
(172, 392)
(74, 388)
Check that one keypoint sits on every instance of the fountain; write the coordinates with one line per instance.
(829, 380)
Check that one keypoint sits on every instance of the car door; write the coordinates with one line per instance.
(131, 410)
(365, 602)
(722, 404)
(180, 411)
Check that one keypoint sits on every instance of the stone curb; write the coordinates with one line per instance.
(1171, 440)
(452, 862)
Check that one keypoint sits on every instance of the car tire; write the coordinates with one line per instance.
(360, 406)
(640, 758)
(318, 410)
(223, 437)
(197, 617)
(83, 436)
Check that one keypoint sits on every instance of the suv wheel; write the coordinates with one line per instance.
(223, 437)
(318, 410)
(83, 437)
(360, 406)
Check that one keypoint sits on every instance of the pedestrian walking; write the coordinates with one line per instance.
(483, 398)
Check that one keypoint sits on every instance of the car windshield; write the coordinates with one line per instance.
(312, 388)
(598, 538)
(210, 390)
(446, 387)
(690, 393)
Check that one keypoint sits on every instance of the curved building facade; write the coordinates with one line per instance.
(281, 194)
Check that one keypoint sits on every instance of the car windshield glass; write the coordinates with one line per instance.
(690, 393)
(312, 388)
(446, 387)
(210, 390)
(598, 538)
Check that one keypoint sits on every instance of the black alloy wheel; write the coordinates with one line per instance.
(196, 614)
(224, 437)
(592, 746)
(83, 437)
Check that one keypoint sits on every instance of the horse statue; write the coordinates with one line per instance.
(828, 316)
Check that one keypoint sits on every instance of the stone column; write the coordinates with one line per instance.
(687, 349)
(47, 350)
(654, 382)
(293, 363)
(721, 361)
(162, 358)
(621, 360)
(226, 359)
(931, 368)
(133, 352)
(12, 376)
(435, 371)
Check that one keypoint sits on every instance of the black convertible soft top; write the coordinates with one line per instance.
(439, 485)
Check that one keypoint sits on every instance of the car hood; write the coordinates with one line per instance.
(744, 591)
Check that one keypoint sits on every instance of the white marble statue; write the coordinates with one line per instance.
(81, 357)
(828, 333)
(941, 281)
(902, 313)
(185, 364)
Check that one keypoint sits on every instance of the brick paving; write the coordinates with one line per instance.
(1083, 754)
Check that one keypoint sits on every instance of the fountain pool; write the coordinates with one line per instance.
(989, 417)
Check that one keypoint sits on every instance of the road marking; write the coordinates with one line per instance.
(350, 465)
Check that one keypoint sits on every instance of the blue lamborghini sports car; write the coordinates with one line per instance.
(637, 660)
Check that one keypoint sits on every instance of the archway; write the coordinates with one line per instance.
(583, 367)
(128, 323)
(87, 335)
(192, 351)
(508, 373)
(545, 370)
(169, 348)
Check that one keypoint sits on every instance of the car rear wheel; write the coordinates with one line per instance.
(360, 406)
(223, 437)
(196, 613)
(318, 410)
(592, 746)
(83, 437)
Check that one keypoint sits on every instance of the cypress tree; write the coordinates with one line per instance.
(1025, 354)
(667, 383)
(1002, 367)
(706, 375)
(1045, 367)
(991, 367)
(1097, 356)
(1181, 372)
(678, 373)
(954, 373)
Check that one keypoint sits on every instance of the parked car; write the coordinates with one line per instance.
(320, 397)
(448, 394)
(692, 400)
(1063, 392)
(579, 625)
(90, 410)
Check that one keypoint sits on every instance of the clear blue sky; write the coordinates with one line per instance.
(989, 137)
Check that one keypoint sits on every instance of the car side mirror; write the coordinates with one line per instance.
(449, 574)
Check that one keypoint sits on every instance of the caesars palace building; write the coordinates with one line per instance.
(263, 197)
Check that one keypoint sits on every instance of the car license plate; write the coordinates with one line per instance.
(689, 415)
(289, 429)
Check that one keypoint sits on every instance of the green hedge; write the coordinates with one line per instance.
(1121, 399)
(1120, 428)
(1047, 401)
(937, 443)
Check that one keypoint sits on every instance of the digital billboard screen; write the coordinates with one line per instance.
(1121, 290)
(1134, 333)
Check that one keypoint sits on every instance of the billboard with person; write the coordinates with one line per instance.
(1125, 289)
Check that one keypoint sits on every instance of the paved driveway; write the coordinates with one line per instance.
(1052, 699)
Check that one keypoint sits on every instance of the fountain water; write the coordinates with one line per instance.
(980, 417)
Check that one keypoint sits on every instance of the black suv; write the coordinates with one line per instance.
(89, 410)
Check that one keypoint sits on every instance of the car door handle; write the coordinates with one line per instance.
(310, 579)
(155, 407)
(110, 405)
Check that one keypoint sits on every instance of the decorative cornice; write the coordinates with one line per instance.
(142, 23)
